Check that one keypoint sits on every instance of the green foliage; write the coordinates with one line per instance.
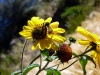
(83, 61)
(74, 54)
(29, 68)
(45, 53)
(72, 39)
(52, 71)
(90, 59)
(51, 58)
(26, 70)
(73, 16)
(72, 11)
(7, 63)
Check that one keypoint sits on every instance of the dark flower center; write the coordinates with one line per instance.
(39, 33)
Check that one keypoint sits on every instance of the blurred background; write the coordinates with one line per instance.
(15, 13)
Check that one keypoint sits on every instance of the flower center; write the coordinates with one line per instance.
(39, 33)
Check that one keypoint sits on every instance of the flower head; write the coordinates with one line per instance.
(93, 41)
(43, 32)
(64, 53)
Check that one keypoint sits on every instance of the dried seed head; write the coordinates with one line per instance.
(64, 53)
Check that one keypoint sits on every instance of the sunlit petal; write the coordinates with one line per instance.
(35, 45)
(58, 30)
(58, 38)
(48, 20)
(54, 25)
(98, 58)
(84, 42)
(84, 32)
(54, 46)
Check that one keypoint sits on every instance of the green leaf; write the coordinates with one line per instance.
(16, 72)
(30, 67)
(75, 55)
(51, 58)
(45, 52)
(91, 59)
(83, 62)
(52, 71)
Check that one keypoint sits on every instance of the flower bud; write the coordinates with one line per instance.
(51, 52)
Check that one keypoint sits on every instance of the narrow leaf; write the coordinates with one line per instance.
(91, 59)
(30, 67)
(74, 54)
(52, 71)
(83, 62)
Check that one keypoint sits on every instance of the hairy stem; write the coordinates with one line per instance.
(86, 51)
(22, 55)
(69, 65)
(42, 68)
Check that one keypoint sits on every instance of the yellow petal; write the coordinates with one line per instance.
(41, 45)
(40, 22)
(54, 46)
(30, 23)
(35, 45)
(27, 28)
(84, 32)
(48, 20)
(98, 58)
(91, 37)
(58, 38)
(46, 43)
(94, 55)
(54, 25)
(95, 39)
(84, 42)
(98, 49)
(25, 34)
(34, 19)
(58, 30)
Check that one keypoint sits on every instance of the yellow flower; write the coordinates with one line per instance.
(43, 32)
(92, 40)
(90, 37)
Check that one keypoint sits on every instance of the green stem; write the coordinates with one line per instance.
(54, 65)
(69, 65)
(86, 51)
(40, 61)
(42, 68)
(58, 66)
(87, 48)
(22, 55)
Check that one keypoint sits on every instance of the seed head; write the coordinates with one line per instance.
(64, 53)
